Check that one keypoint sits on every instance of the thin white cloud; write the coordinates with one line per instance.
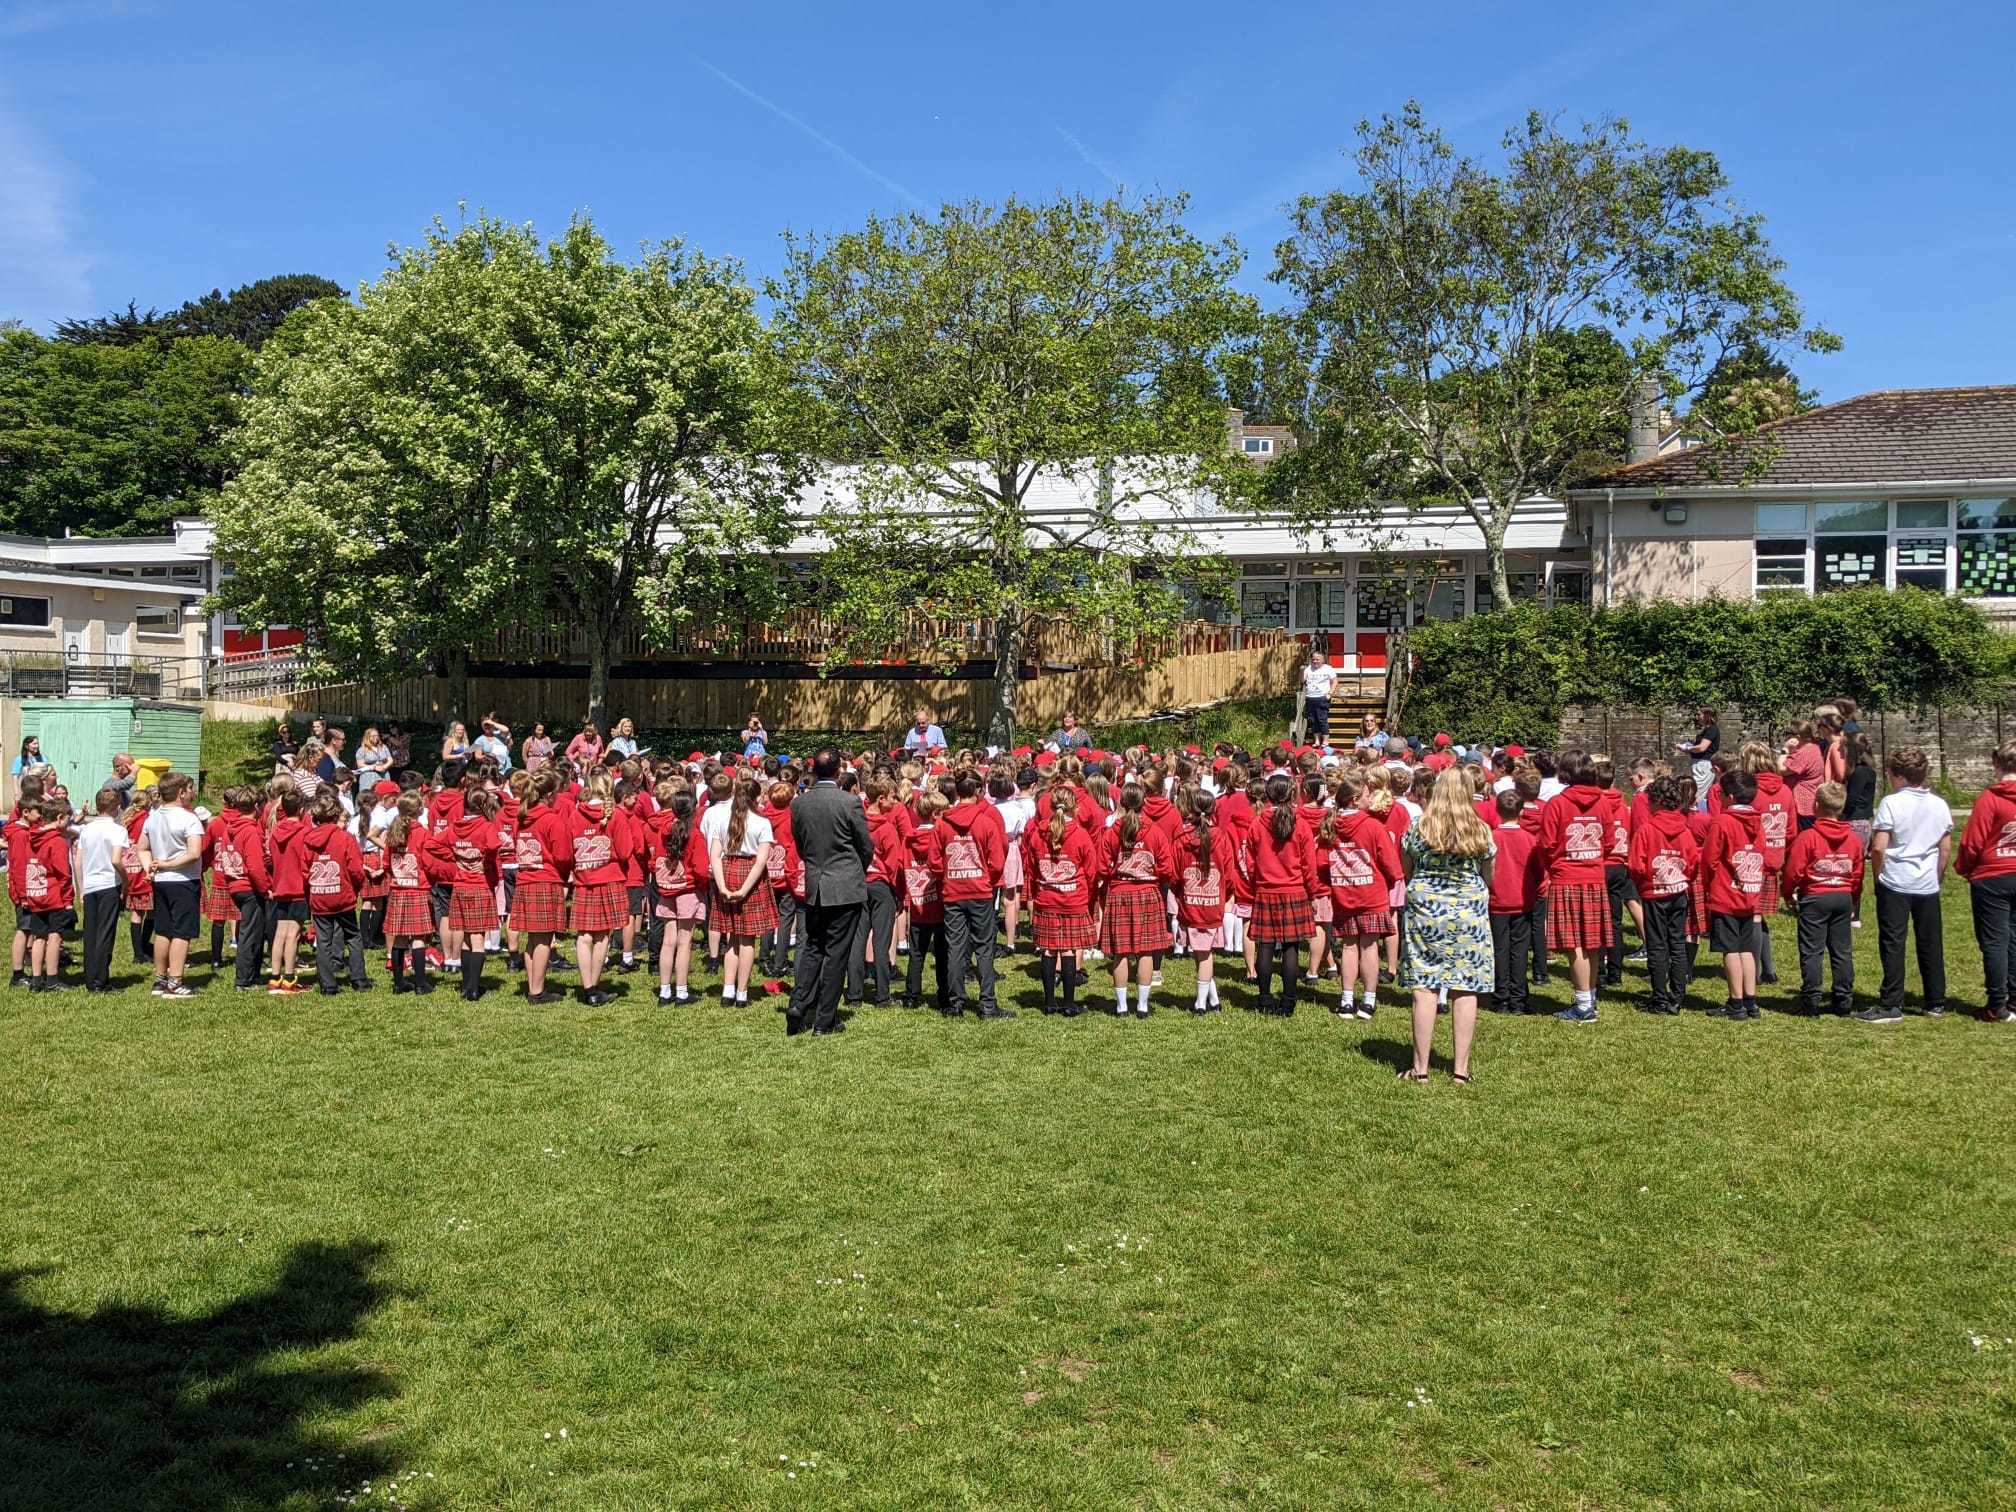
(49, 15)
(1098, 164)
(41, 266)
(812, 131)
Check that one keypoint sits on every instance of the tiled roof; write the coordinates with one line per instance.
(1890, 436)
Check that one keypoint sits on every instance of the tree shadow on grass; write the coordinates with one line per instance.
(131, 1407)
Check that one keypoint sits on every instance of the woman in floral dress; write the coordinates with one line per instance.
(1448, 860)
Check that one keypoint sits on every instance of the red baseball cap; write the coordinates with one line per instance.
(385, 790)
(1442, 737)
(1046, 759)
(1440, 761)
(1515, 750)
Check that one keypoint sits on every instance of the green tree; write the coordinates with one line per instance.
(1436, 301)
(500, 427)
(657, 471)
(381, 452)
(1747, 387)
(972, 365)
(114, 440)
(253, 312)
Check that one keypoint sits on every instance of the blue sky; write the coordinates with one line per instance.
(154, 151)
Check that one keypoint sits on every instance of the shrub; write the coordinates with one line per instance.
(1509, 675)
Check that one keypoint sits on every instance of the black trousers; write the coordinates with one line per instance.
(337, 943)
(929, 937)
(101, 932)
(1994, 901)
(1617, 880)
(1824, 939)
(1919, 912)
(251, 940)
(877, 923)
(822, 964)
(969, 939)
(1666, 952)
(1511, 945)
(784, 942)
(1316, 720)
(1537, 970)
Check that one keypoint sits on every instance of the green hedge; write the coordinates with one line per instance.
(1509, 675)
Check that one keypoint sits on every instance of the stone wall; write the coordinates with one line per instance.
(1959, 741)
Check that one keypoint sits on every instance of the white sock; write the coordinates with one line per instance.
(1203, 993)
(1142, 993)
(1349, 997)
(1121, 993)
(629, 959)
(1213, 985)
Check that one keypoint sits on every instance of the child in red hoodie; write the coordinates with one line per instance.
(1777, 821)
(597, 839)
(1135, 866)
(238, 875)
(1516, 879)
(1823, 872)
(1987, 859)
(334, 867)
(1062, 865)
(1280, 859)
(285, 827)
(1663, 859)
(973, 851)
(924, 895)
(1203, 865)
(48, 896)
(1734, 867)
(1576, 835)
(1362, 866)
(473, 845)
(678, 857)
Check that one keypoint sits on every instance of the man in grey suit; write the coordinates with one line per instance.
(830, 830)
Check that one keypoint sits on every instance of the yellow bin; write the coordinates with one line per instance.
(150, 770)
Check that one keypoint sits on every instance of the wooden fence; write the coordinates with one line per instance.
(858, 704)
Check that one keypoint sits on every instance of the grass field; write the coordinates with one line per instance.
(377, 1252)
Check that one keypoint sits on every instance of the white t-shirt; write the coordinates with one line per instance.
(1504, 784)
(1916, 821)
(1318, 679)
(100, 844)
(1016, 813)
(1551, 787)
(170, 829)
(714, 825)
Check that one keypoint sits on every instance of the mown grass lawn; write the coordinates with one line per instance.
(264, 1252)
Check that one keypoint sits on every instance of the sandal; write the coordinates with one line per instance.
(1459, 1078)
(1409, 1074)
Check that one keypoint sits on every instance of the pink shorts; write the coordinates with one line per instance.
(1322, 905)
(1201, 941)
(1011, 866)
(1397, 898)
(1239, 908)
(686, 907)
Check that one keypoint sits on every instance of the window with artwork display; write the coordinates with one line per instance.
(1264, 605)
(1987, 541)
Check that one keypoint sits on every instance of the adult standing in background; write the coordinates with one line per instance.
(31, 756)
(1700, 752)
(373, 760)
(455, 744)
(623, 739)
(585, 749)
(538, 747)
(125, 777)
(923, 735)
(1070, 737)
(1805, 768)
(1319, 680)
(495, 742)
(829, 830)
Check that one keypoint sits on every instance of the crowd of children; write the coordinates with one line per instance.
(1288, 862)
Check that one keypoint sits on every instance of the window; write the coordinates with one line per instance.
(1852, 519)
(1781, 566)
(1382, 604)
(1923, 514)
(1320, 606)
(1781, 519)
(1570, 587)
(157, 619)
(1987, 542)
(29, 612)
(1921, 560)
(1264, 605)
(1259, 446)
(1525, 589)
(1850, 561)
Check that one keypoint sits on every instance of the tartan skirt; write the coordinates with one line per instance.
(140, 894)
(473, 909)
(1363, 924)
(539, 908)
(1136, 922)
(1578, 916)
(376, 886)
(1767, 900)
(1697, 912)
(218, 904)
(600, 907)
(410, 913)
(751, 916)
(1281, 917)
(1055, 929)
